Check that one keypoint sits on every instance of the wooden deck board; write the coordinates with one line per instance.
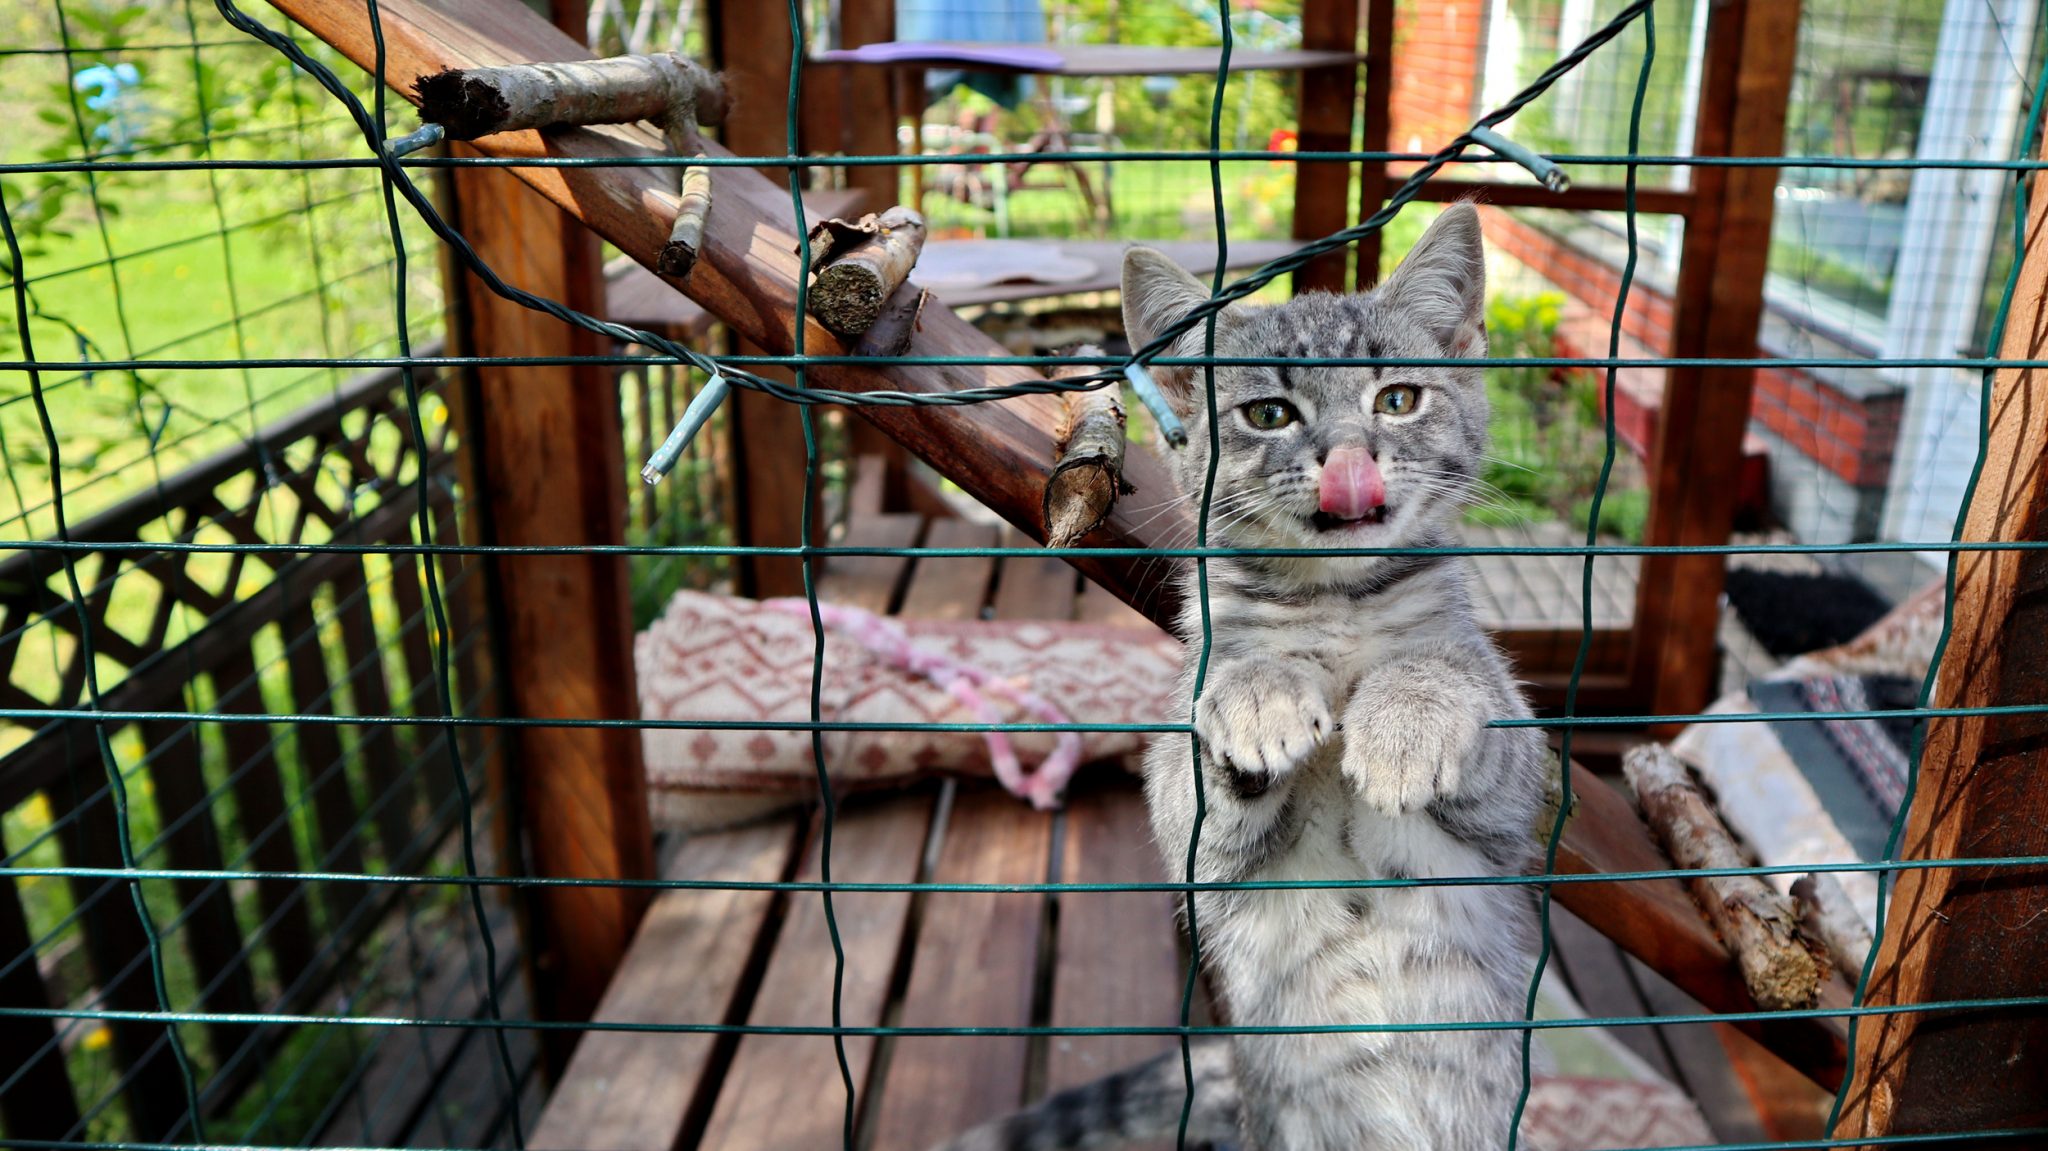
(952, 587)
(784, 1092)
(1118, 961)
(975, 965)
(871, 582)
(632, 1091)
(1600, 980)
(1034, 586)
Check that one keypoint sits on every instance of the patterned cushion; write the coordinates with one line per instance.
(723, 658)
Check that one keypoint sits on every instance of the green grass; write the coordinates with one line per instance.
(1151, 200)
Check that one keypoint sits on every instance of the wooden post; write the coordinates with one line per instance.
(872, 132)
(549, 450)
(1329, 97)
(1748, 79)
(1971, 933)
(751, 47)
(1378, 129)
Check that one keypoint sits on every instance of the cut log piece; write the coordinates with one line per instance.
(1783, 968)
(473, 102)
(857, 265)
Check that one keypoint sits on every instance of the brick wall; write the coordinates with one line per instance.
(1850, 436)
(1439, 54)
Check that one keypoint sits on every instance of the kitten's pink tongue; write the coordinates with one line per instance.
(1351, 484)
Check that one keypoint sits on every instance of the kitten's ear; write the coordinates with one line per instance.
(1158, 293)
(1442, 283)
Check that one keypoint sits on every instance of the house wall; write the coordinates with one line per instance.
(1439, 57)
(1830, 443)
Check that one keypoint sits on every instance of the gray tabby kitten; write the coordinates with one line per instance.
(1342, 732)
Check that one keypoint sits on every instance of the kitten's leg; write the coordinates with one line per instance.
(1263, 714)
(1412, 727)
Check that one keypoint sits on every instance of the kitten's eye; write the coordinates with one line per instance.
(1397, 400)
(1269, 415)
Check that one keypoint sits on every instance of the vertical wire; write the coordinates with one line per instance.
(445, 699)
(1187, 993)
(828, 805)
(1993, 342)
(1546, 941)
(89, 662)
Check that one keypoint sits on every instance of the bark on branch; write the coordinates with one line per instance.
(1783, 969)
(686, 237)
(857, 265)
(663, 88)
(1084, 485)
(1830, 916)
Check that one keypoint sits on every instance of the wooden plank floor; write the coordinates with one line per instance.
(933, 958)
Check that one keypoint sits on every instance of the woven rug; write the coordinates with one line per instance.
(1856, 766)
(1573, 1114)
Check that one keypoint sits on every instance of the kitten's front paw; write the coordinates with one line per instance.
(1261, 717)
(1404, 753)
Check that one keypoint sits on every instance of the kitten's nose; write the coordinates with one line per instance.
(1351, 485)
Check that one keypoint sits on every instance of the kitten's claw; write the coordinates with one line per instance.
(1261, 718)
(1405, 753)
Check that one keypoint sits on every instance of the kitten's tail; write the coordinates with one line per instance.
(1141, 1102)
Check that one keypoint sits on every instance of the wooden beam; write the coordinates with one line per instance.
(1954, 933)
(1656, 921)
(1377, 129)
(999, 453)
(1329, 97)
(1748, 79)
(550, 453)
(1577, 198)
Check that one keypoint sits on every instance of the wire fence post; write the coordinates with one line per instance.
(1981, 792)
(550, 458)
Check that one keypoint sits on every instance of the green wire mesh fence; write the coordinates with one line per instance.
(257, 738)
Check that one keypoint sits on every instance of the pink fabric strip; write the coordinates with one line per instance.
(972, 686)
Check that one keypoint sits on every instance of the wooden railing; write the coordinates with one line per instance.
(280, 632)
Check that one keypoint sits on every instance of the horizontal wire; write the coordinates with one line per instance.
(1774, 1145)
(736, 551)
(261, 1018)
(2001, 1133)
(951, 159)
(1079, 384)
(111, 716)
(117, 49)
(1048, 888)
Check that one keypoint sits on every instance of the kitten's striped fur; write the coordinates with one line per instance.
(1342, 727)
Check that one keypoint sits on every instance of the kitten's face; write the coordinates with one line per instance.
(1334, 456)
